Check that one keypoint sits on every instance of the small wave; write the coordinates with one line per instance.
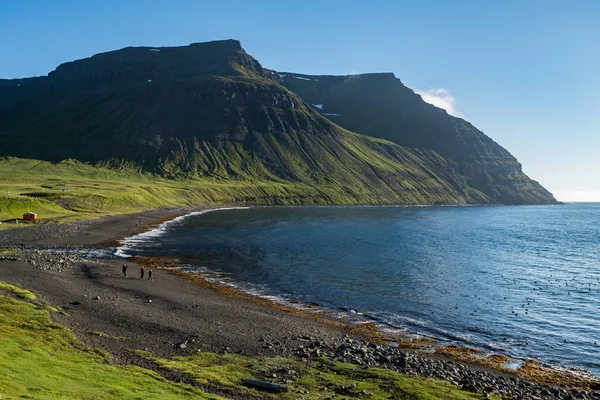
(121, 252)
(145, 237)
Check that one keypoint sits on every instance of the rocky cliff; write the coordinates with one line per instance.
(379, 105)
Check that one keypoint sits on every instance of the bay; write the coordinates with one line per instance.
(519, 280)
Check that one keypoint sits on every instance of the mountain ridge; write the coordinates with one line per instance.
(379, 105)
(211, 111)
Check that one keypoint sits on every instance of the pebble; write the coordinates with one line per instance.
(48, 259)
(366, 354)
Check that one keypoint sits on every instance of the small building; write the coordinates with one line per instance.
(30, 216)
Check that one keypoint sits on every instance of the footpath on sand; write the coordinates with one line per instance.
(169, 316)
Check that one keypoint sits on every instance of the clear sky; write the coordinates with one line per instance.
(525, 72)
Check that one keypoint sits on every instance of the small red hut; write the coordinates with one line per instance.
(30, 216)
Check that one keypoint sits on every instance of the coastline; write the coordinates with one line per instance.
(157, 228)
(228, 322)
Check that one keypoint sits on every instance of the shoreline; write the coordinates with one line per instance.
(157, 228)
(354, 319)
(111, 229)
(528, 369)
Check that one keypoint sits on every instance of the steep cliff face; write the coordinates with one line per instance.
(210, 110)
(379, 105)
(122, 67)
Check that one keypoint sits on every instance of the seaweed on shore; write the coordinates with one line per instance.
(531, 370)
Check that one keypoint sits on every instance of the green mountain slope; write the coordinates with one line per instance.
(210, 111)
(379, 105)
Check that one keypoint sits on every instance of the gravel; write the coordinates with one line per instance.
(366, 354)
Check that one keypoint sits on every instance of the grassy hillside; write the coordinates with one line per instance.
(209, 120)
(40, 359)
(96, 190)
(103, 189)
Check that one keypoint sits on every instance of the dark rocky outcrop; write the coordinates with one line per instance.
(210, 110)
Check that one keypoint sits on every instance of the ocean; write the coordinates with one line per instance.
(518, 280)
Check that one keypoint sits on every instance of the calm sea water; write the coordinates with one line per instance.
(522, 280)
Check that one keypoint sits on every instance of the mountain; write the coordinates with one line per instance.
(211, 111)
(379, 105)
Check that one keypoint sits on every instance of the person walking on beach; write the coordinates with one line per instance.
(149, 274)
(142, 273)
(125, 270)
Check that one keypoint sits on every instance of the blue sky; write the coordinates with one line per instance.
(527, 73)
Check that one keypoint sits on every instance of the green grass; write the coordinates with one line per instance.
(97, 191)
(40, 359)
(17, 291)
(322, 379)
(9, 252)
(108, 189)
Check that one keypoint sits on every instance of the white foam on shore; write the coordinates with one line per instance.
(148, 236)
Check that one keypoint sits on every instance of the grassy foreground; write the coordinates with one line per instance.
(40, 359)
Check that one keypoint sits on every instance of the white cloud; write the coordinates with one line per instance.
(441, 98)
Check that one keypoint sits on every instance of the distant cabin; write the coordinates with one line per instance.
(30, 216)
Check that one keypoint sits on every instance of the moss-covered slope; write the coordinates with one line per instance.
(210, 111)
